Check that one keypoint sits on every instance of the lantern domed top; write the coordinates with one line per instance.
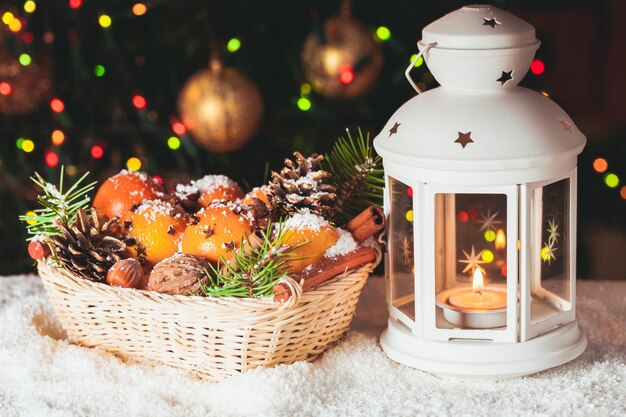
(479, 120)
(474, 46)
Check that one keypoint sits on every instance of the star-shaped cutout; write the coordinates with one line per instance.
(490, 22)
(553, 232)
(394, 129)
(472, 260)
(566, 125)
(489, 220)
(464, 139)
(506, 76)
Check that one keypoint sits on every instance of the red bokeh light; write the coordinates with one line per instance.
(179, 128)
(409, 191)
(75, 4)
(5, 88)
(537, 67)
(158, 178)
(52, 159)
(28, 37)
(97, 152)
(463, 216)
(139, 102)
(503, 270)
(346, 75)
(57, 105)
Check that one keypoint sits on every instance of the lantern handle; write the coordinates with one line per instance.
(407, 73)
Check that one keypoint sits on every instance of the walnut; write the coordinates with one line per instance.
(178, 274)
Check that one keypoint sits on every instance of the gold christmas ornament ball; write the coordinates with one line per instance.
(343, 60)
(221, 108)
(22, 88)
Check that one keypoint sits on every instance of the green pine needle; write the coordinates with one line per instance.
(357, 174)
(251, 274)
(56, 204)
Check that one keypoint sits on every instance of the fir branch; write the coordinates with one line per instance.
(56, 205)
(252, 273)
(358, 175)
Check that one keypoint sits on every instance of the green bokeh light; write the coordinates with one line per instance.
(611, 180)
(99, 70)
(173, 143)
(25, 59)
(383, 33)
(233, 45)
(304, 104)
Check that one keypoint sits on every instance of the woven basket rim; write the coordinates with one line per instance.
(46, 268)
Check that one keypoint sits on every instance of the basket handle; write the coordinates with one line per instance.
(296, 292)
(407, 73)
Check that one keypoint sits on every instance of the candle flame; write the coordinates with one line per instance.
(477, 281)
(500, 239)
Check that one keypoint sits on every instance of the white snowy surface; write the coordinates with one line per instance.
(41, 374)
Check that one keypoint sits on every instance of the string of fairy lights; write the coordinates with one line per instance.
(304, 101)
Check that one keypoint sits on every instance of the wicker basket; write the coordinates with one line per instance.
(212, 338)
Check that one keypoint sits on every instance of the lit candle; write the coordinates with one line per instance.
(478, 307)
(478, 298)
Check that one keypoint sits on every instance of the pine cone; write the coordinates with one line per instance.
(301, 185)
(89, 246)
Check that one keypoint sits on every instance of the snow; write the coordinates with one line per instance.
(305, 220)
(153, 208)
(205, 184)
(41, 374)
(345, 244)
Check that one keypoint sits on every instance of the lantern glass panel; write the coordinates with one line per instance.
(470, 258)
(550, 288)
(402, 251)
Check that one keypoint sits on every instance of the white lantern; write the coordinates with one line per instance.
(481, 199)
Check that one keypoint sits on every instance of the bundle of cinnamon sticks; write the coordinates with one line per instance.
(365, 225)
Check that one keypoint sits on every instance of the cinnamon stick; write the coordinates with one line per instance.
(326, 269)
(369, 222)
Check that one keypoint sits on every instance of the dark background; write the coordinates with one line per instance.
(583, 48)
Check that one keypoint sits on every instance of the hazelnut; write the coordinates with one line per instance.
(126, 273)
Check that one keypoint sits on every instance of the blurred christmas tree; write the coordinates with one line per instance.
(184, 88)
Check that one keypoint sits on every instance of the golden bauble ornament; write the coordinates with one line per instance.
(23, 87)
(342, 61)
(221, 108)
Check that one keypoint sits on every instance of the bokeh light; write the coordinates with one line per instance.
(57, 105)
(622, 192)
(30, 6)
(15, 25)
(233, 45)
(409, 215)
(75, 4)
(490, 235)
(487, 256)
(105, 21)
(99, 70)
(139, 9)
(463, 216)
(28, 145)
(52, 159)
(304, 104)
(58, 137)
(133, 164)
(600, 165)
(611, 180)
(25, 59)
(139, 102)
(305, 88)
(383, 33)
(173, 143)
(19, 143)
(537, 67)
(97, 152)
(346, 75)
(419, 62)
(5, 88)
(179, 128)
(7, 18)
(31, 214)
